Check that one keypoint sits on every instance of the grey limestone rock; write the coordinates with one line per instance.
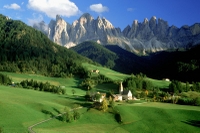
(149, 36)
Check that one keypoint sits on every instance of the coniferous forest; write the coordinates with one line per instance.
(26, 50)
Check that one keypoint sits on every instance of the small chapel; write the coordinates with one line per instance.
(123, 94)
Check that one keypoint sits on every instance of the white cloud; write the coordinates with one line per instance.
(99, 8)
(54, 7)
(12, 6)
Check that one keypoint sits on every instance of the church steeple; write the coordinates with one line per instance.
(121, 88)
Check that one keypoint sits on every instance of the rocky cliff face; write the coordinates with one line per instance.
(149, 36)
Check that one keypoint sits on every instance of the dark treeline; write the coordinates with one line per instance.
(24, 49)
(178, 87)
(175, 65)
(40, 86)
(92, 80)
(177, 92)
(137, 82)
(4, 79)
(97, 53)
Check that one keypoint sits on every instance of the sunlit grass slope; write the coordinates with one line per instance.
(140, 118)
(114, 75)
(20, 108)
(159, 117)
(67, 83)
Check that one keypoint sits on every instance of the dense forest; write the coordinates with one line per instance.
(24, 49)
(97, 53)
(176, 65)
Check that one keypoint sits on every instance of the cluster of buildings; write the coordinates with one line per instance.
(123, 95)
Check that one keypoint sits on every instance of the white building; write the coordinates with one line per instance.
(123, 94)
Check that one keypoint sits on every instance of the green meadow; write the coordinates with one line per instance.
(21, 108)
(67, 83)
(160, 117)
(140, 118)
(114, 75)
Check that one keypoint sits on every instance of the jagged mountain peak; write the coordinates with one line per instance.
(145, 21)
(86, 17)
(58, 17)
(153, 17)
(149, 36)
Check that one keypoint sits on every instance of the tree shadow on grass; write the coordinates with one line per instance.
(60, 118)
(85, 104)
(57, 110)
(195, 123)
(77, 98)
(48, 113)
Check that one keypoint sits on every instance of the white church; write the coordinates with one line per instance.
(123, 94)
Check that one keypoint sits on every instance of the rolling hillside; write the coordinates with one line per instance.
(97, 53)
(176, 65)
(24, 49)
(112, 56)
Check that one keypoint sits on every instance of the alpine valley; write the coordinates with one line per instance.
(170, 52)
(48, 88)
(142, 38)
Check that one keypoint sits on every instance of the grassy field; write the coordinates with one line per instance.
(20, 108)
(160, 117)
(120, 76)
(67, 83)
(140, 118)
(114, 75)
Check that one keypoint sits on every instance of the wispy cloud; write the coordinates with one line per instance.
(36, 19)
(52, 8)
(12, 6)
(99, 8)
(130, 9)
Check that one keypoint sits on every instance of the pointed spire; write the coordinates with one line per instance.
(121, 88)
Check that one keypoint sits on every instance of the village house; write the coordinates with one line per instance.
(95, 71)
(98, 97)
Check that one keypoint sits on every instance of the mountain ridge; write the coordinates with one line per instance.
(149, 36)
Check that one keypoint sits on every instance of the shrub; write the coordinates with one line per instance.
(76, 115)
(197, 101)
(4, 79)
(118, 117)
(1, 130)
(186, 101)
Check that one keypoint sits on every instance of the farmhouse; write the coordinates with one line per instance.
(117, 97)
(123, 94)
(98, 97)
(95, 71)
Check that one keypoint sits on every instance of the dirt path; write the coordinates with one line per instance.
(30, 127)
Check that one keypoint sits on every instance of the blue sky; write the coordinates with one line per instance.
(119, 12)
